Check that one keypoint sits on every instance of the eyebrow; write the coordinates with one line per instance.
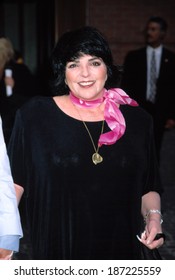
(94, 58)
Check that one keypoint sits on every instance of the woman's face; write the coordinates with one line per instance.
(86, 77)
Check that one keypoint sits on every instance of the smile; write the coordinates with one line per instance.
(86, 83)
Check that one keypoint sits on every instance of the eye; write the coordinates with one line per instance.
(96, 63)
(72, 65)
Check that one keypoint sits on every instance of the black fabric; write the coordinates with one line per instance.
(148, 254)
(75, 209)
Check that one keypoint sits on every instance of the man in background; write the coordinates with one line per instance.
(149, 78)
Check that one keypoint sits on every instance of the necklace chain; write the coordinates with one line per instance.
(96, 157)
(102, 128)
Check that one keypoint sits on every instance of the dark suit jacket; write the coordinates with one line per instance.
(135, 78)
(24, 88)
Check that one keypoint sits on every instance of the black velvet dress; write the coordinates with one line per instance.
(75, 209)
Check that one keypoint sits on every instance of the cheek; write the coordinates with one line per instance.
(70, 81)
(104, 76)
(68, 77)
(71, 74)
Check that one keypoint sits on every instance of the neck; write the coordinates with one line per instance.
(112, 113)
(155, 45)
(85, 103)
(89, 114)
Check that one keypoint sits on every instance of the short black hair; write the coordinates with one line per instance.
(162, 22)
(73, 44)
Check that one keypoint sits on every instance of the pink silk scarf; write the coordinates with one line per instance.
(112, 114)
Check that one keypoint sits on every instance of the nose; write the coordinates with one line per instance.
(84, 70)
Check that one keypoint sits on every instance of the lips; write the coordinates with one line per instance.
(85, 84)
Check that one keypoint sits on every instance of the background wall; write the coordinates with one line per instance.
(35, 25)
(123, 21)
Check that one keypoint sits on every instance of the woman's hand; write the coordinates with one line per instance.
(153, 220)
(6, 254)
(148, 237)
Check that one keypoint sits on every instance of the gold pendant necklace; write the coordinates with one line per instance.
(96, 157)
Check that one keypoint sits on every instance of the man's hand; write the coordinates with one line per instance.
(6, 254)
(170, 124)
(9, 81)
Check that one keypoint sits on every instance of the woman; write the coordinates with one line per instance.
(10, 225)
(87, 177)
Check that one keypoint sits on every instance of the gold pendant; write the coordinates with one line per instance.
(96, 158)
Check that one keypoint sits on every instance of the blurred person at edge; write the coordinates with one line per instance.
(22, 85)
(10, 224)
(137, 76)
(86, 160)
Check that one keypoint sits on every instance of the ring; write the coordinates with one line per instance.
(160, 235)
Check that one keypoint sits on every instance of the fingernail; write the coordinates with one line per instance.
(143, 234)
(138, 238)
